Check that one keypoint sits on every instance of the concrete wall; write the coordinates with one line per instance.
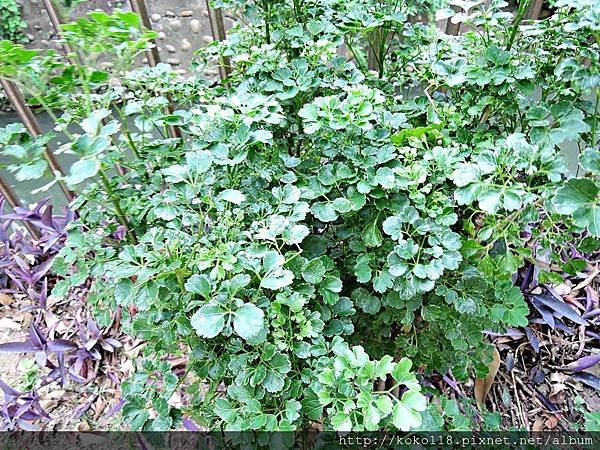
(182, 25)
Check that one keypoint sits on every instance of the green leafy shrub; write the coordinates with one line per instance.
(320, 229)
(11, 23)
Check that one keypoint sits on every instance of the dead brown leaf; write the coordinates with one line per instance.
(483, 385)
(5, 299)
(538, 425)
(8, 324)
(588, 280)
(551, 421)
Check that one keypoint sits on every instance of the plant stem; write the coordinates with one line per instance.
(115, 201)
(595, 122)
(521, 11)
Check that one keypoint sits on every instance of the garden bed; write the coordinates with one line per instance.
(368, 224)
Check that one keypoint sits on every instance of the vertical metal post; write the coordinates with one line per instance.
(13, 201)
(56, 20)
(373, 42)
(217, 28)
(139, 7)
(452, 28)
(534, 10)
(26, 115)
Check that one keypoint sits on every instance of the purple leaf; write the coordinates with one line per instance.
(18, 347)
(89, 345)
(561, 308)
(106, 346)
(60, 357)
(547, 403)
(538, 375)
(42, 269)
(545, 312)
(511, 332)
(36, 336)
(93, 328)
(592, 334)
(589, 299)
(583, 363)
(9, 390)
(587, 378)
(592, 313)
(189, 425)
(533, 340)
(510, 361)
(527, 276)
(80, 411)
(26, 426)
(61, 345)
(115, 409)
(47, 217)
(562, 327)
(113, 342)
(41, 359)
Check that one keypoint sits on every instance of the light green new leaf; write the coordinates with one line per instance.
(248, 321)
(371, 235)
(232, 196)
(277, 279)
(589, 218)
(574, 194)
(199, 284)
(414, 400)
(31, 171)
(199, 162)
(82, 170)
(324, 211)
(405, 418)
(209, 320)
(590, 161)
(341, 422)
(392, 226)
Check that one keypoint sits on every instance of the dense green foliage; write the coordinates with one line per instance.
(320, 226)
(11, 23)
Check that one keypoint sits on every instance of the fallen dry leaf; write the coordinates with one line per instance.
(9, 324)
(6, 300)
(483, 385)
(562, 289)
(538, 425)
(551, 421)
(588, 280)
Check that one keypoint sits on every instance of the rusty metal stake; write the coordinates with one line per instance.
(13, 201)
(56, 20)
(534, 10)
(139, 7)
(452, 28)
(26, 115)
(217, 28)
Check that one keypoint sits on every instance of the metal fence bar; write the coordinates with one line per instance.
(27, 117)
(534, 10)
(452, 28)
(13, 201)
(56, 20)
(139, 7)
(217, 28)
(9, 194)
(152, 55)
